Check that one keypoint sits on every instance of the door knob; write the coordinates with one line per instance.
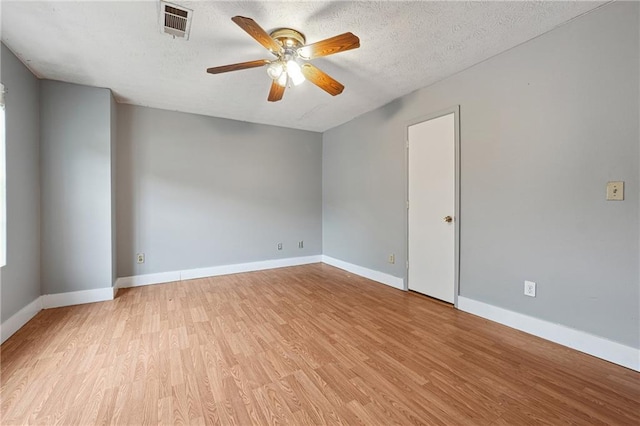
(448, 219)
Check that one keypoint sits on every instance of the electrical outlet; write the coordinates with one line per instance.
(140, 258)
(279, 246)
(530, 288)
(301, 244)
(392, 258)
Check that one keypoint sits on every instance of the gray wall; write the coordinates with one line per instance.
(113, 116)
(21, 275)
(196, 191)
(544, 126)
(76, 187)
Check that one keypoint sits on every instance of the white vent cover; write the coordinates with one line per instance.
(175, 20)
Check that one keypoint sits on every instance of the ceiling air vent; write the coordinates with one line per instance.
(175, 20)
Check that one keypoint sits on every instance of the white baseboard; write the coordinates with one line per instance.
(76, 297)
(378, 276)
(147, 279)
(248, 267)
(190, 274)
(20, 318)
(599, 347)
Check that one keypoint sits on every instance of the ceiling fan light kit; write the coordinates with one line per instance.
(283, 71)
(288, 45)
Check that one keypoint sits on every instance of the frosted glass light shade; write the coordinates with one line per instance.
(295, 73)
(282, 80)
(274, 70)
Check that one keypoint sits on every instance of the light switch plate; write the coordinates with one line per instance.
(615, 191)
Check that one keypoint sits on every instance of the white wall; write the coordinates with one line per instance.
(544, 126)
(196, 191)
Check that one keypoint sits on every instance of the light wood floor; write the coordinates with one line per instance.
(303, 345)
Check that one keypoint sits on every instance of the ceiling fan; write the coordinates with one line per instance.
(288, 45)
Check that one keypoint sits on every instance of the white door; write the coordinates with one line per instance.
(432, 192)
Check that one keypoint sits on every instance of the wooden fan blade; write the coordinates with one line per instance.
(237, 67)
(322, 79)
(339, 43)
(276, 92)
(256, 31)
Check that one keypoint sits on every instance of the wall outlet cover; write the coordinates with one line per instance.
(530, 288)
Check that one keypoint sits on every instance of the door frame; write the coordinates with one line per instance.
(455, 110)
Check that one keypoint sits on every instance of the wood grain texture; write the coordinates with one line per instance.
(322, 79)
(303, 345)
(276, 92)
(238, 66)
(330, 46)
(258, 33)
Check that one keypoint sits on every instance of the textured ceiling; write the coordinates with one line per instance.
(404, 46)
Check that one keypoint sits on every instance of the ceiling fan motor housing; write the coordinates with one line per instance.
(288, 38)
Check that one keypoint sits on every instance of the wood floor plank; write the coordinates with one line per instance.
(303, 345)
